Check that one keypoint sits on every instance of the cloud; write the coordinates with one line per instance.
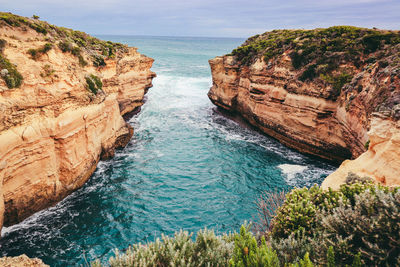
(229, 18)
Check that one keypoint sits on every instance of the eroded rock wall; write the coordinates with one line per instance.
(313, 118)
(53, 130)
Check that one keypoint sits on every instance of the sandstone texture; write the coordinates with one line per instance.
(21, 261)
(54, 128)
(330, 112)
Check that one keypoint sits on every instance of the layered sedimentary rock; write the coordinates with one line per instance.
(317, 91)
(21, 261)
(66, 114)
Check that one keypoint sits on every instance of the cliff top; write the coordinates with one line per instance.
(331, 55)
(87, 49)
(67, 36)
(307, 45)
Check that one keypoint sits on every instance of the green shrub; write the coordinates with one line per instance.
(82, 61)
(360, 223)
(3, 44)
(337, 81)
(33, 53)
(313, 48)
(9, 73)
(309, 73)
(370, 226)
(36, 53)
(298, 213)
(48, 71)
(98, 61)
(306, 262)
(94, 83)
(65, 46)
(180, 250)
(366, 145)
(46, 48)
(248, 253)
(292, 248)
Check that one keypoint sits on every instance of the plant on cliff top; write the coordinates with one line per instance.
(360, 221)
(180, 250)
(248, 253)
(36, 53)
(69, 40)
(9, 73)
(94, 83)
(320, 51)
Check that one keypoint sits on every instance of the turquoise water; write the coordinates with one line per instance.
(187, 166)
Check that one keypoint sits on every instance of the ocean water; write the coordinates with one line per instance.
(187, 167)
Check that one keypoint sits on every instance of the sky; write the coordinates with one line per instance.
(207, 18)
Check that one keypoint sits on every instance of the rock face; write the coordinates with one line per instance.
(53, 128)
(21, 261)
(323, 112)
(382, 159)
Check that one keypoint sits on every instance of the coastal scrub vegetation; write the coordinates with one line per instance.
(357, 225)
(68, 40)
(93, 83)
(36, 53)
(8, 71)
(321, 53)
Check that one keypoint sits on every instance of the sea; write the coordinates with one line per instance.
(188, 166)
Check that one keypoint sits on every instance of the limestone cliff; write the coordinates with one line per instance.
(317, 90)
(62, 97)
(21, 261)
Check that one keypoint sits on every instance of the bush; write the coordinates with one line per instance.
(36, 53)
(98, 61)
(247, 252)
(180, 250)
(359, 224)
(337, 81)
(309, 73)
(267, 205)
(298, 213)
(9, 73)
(94, 83)
(48, 71)
(65, 46)
(2, 45)
(370, 226)
(313, 48)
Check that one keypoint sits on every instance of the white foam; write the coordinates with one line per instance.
(290, 170)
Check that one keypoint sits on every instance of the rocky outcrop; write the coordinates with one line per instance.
(380, 161)
(21, 261)
(65, 116)
(313, 107)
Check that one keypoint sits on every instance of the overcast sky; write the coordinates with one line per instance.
(219, 18)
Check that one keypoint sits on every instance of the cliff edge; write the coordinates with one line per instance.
(333, 93)
(62, 97)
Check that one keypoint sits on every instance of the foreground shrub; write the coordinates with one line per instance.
(298, 213)
(248, 253)
(370, 226)
(360, 223)
(180, 250)
(267, 205)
